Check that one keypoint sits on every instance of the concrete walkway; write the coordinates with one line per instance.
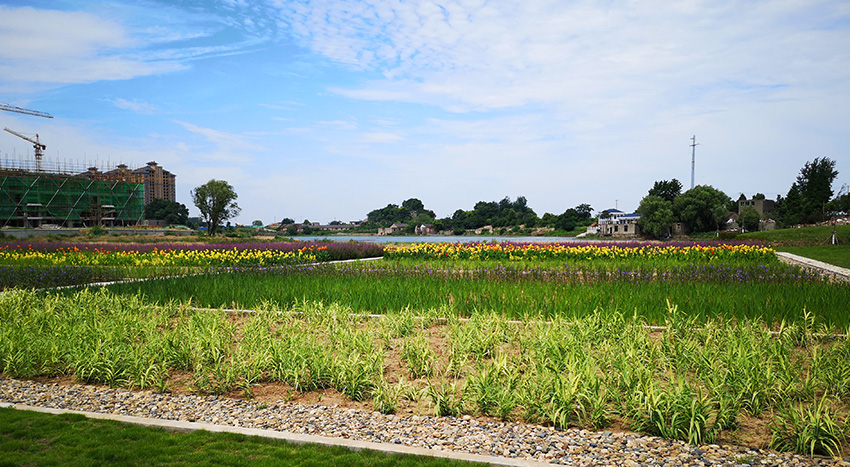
(295, 438)
(834, 272)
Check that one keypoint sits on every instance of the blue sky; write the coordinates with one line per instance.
(326, 110)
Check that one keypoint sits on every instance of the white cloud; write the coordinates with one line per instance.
(48, 46)
(229, 147)
(467, 56)
(135, 105)
(380, 137)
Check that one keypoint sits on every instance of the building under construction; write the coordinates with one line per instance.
(35, 195)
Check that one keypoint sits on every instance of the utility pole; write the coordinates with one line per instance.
(693, 157)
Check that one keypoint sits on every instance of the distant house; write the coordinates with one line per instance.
(487, 229)
(619, 224)
(730, 224)
(762, 206)
(424, 229)
(393, 229)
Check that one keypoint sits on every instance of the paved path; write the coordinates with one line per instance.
(834, 272)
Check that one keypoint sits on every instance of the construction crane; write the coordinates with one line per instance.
(39, 148)
(21, 110)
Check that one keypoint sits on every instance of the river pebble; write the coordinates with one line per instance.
(574, 447)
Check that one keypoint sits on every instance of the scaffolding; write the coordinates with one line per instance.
(65, 195)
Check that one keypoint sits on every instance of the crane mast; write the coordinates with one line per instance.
(36, 144)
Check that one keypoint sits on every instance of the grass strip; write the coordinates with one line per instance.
(32, 438)
(838, 255)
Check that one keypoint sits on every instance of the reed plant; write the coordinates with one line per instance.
(705, 293)
(695, 380)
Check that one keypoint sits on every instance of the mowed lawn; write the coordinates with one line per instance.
(34, 438)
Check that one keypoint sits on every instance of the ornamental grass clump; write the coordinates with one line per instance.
(811, 429)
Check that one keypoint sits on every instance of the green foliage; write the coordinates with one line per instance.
(808, 195)
(656, 215)
(749, 219)
(667, 190)
(169, 211)
(505, 213)
(570, 219)
(810, 430)
(217, 202)
(410, 211)
(701, 209)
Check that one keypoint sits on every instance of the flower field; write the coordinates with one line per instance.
(145, 260)
(752, 350)
(747, 288)
(689, 252)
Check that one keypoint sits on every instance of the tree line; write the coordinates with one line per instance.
(505, 216)
(704, 208)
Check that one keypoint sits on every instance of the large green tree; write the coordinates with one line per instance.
(808, 195)
(171, 212)
(668, 190)
(749, 219)
(216, 200)
(656, 215)
(702, 208)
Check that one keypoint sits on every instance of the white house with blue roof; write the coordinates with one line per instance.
(619, 224)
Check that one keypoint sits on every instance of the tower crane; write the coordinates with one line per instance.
(39, 148)
(21, 110)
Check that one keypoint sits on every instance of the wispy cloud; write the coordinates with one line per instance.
(50, 46)
(579, 57)
(135, 105)
(229, 146)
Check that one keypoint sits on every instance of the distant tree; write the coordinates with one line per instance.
(668, 190)
(413, 204)
(656, 216)
(749, 219)
(257, 223)
(335, 222)
(811, 191)
(306, 222)
(584, 210)
(287, 221)
(840, 205)
(759, 196)
(216, 200)
(169, 211)
(292, 229)
(702, 208)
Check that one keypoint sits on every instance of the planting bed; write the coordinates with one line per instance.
(712, 374)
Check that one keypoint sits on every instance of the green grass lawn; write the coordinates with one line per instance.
(838, 255)
(33, 438)
(818, 235)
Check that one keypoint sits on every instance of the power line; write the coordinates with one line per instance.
(693, 158)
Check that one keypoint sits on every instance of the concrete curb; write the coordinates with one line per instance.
(296, 438)
(827, 268)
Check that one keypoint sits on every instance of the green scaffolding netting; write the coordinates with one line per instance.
(68, 200)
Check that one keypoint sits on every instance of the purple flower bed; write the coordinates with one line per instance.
(52, 276)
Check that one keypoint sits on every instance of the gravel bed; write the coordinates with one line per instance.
(543, 444)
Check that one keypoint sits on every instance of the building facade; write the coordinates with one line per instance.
(159, 183)
(619, 224)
